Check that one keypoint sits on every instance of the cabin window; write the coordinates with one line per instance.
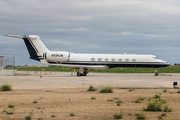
(120, 60)
(134, 60)
(99, 59)
(92, 59)
(113, 59)
(106, 59)
(127, 60)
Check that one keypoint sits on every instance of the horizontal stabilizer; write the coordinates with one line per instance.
(24, 36)
(16, 36)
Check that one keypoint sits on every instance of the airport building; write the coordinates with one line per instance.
(5, 63)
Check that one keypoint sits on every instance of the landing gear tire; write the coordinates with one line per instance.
(79, 74)
(156, 74)
(84, 73)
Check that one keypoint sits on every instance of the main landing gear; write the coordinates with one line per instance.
(82, 72)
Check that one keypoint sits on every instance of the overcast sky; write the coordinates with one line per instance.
(92, 26)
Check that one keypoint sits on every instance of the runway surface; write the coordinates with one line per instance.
(31, 80)
(60, 94)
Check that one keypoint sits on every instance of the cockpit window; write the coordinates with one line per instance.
(154, 57)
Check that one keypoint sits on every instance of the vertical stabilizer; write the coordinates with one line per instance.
(34, 46)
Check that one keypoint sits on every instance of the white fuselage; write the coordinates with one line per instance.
(112, 60)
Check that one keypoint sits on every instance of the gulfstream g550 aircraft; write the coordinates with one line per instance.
(84, 62)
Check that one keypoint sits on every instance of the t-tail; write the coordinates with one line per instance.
(37, 50)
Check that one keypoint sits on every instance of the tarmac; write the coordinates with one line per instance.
(66, 80)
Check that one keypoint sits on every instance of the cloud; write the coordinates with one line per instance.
(142, 35)
(95, 26)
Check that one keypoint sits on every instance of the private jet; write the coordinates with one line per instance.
(84, 62)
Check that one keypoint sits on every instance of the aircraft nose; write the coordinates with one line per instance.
(165, 63)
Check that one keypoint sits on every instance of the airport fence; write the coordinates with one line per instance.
(7, 62)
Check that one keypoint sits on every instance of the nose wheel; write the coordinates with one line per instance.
(156, 72)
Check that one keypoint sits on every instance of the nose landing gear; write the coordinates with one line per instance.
(156, 72)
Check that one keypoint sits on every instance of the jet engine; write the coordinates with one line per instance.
(57, 57)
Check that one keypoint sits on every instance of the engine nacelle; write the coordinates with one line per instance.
(58, 57)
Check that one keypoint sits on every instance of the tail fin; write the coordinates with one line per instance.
(34, 46)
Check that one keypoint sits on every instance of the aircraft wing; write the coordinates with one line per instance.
(77, 66)
(83, 66)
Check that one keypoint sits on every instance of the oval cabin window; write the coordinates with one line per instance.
(127, 60)
(134, 60)
(99, 59)
(113, 59)
(106, 59)
(92, 59)
(120, 60)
